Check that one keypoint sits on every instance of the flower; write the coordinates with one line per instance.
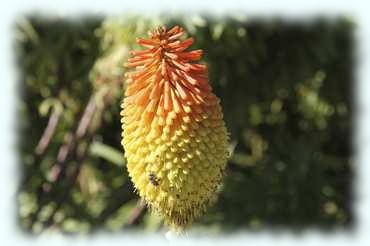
(174, 136)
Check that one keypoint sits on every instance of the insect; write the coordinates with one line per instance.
(153, 179)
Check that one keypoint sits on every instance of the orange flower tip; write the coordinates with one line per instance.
(174, 30)
(175, 36)
(171, 55)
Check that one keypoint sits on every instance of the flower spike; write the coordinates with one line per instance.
(174, 136)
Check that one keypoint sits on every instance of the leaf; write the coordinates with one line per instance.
(108, 153)
(28, 31)
(48, 103)
(119, 219)
(152, 222)
(242, 159)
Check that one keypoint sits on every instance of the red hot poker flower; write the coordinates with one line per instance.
(174, 135)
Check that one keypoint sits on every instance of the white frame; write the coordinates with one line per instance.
(292, 10)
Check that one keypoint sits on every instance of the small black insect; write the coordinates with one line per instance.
(153, 179)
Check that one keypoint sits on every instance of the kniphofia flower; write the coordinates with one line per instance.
(174, 136)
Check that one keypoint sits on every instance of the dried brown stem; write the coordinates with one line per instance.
(48, 133)
(86, 118)
(58, 169)
(136, 212)
(70, 151)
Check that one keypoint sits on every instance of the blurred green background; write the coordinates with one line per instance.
(285, 88)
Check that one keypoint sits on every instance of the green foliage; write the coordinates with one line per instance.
(285, 89)
(107, 152)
